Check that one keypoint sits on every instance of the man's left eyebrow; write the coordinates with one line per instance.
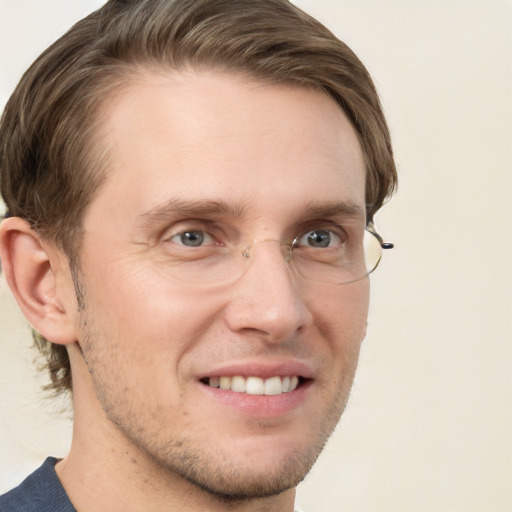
(180, 208)
(347, 209)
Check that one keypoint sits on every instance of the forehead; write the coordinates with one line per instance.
(217, 136)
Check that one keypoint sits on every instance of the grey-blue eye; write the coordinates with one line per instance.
(319, 239)
(193, 238)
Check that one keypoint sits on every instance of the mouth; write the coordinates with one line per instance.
(252, 385)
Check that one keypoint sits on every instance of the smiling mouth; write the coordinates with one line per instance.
(255, 385)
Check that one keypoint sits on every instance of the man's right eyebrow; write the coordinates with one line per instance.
(179, 208)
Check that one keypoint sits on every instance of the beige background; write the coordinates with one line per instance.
(429, 425)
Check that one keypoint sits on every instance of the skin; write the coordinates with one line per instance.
(148, 435)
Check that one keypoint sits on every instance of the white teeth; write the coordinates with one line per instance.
(273, 386)
(238, 384)
(255, 385)
(225, 383)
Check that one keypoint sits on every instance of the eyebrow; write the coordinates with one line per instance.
(180, 208)
(336, 208)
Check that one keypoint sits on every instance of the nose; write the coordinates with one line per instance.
(266, 300)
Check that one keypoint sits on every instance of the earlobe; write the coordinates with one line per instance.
(31, 272)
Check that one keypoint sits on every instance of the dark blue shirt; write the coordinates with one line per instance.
(39, 492)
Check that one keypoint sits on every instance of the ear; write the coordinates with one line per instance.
(36, 274)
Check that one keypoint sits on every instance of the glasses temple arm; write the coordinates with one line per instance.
(384, 245)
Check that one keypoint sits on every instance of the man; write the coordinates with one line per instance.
(188, 185)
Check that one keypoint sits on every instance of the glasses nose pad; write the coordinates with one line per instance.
(246, 252)
(285, 248)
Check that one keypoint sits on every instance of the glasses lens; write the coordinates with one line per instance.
(326, 254)
(372, 251)
(337, 260)
(216, 265)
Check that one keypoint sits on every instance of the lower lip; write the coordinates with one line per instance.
(268, 406)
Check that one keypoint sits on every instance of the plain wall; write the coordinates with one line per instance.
(429, 423)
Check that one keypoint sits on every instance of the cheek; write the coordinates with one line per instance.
(341, 315)
(144, 310)
(139, 331)
(342, 309)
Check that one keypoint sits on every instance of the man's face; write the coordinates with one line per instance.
(236, 161)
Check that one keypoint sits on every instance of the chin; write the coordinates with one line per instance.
(239, 482)
(243, 470)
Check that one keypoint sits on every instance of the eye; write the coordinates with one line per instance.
(192, 238)
(321, 238)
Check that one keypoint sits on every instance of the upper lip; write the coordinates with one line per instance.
(262, 369)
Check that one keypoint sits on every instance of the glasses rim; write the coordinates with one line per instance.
(292, 262)
(370, 229)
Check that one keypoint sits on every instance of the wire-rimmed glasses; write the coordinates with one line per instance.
(325, 253)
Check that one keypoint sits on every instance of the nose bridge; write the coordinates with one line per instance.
(251, 247)
(268, 264)
(268, 299)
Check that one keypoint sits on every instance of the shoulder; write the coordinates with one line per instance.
(41, 491)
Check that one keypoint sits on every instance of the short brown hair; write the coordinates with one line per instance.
(51, 164)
